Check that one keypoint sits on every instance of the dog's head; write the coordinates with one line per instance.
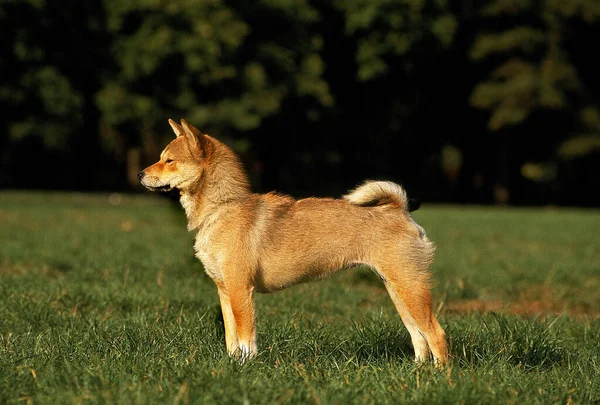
(181, 162)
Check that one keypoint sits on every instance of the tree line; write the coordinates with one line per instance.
(461, 101)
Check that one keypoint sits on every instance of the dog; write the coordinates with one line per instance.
(262, 243)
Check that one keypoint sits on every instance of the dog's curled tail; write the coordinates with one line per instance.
(373, 193)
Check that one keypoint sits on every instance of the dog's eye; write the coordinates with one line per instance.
(168, 160)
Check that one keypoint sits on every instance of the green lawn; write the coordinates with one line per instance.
(105, 303)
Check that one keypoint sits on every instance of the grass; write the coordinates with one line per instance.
(105, 303)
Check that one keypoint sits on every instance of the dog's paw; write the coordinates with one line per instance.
(244, 353)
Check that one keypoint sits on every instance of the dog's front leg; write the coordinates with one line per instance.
(242, 308)
(231, 337)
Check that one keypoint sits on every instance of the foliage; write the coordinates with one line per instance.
(38, 96)
(380, 85)
(532, 68)
(389, 27)
(212, 62)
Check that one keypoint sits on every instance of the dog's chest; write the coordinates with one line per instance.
(206, 255)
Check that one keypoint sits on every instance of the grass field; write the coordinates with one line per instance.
(105, 303)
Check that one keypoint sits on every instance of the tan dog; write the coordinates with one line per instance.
(266, 242)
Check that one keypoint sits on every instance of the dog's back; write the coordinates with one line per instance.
(285, 241)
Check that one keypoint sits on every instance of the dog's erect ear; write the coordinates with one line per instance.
(176, 128)
(195, 137)
(190, 128)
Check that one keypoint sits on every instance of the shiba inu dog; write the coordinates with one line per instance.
(266, 242)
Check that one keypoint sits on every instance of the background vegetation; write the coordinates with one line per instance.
(460, 101)
(103, 302)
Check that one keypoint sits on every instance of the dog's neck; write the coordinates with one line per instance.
(221, 183)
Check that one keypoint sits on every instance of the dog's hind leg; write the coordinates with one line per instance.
(418, 340)
(231, 337)
(415, 308)
(409, 289)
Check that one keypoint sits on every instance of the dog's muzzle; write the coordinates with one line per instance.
(142, 178)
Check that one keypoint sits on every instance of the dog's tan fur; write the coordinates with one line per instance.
(265, 242)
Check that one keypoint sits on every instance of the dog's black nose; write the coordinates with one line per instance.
(141, 175)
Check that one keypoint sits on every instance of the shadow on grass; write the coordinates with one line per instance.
(300, 340)
(479, 341)
(375, 340)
